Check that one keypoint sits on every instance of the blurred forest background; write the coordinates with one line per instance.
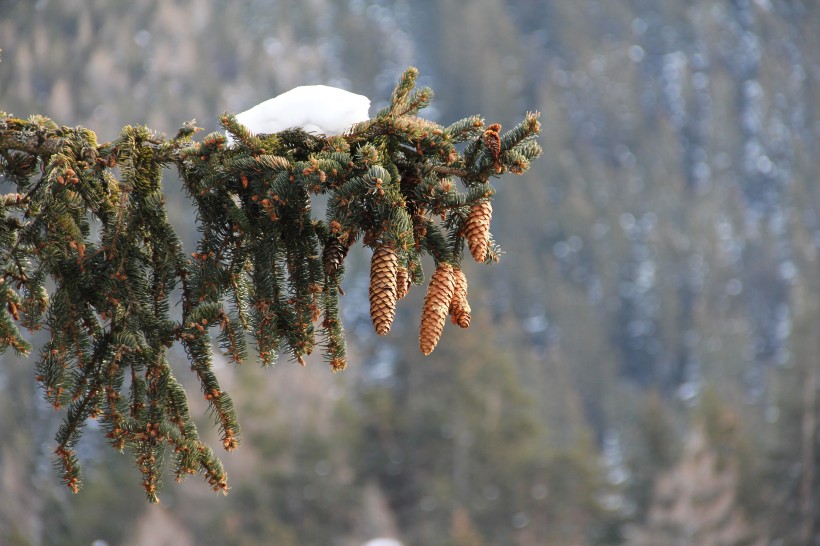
(643, 363)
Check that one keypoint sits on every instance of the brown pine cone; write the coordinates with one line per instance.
(493, 142)
(477, 230)
(383, 268)
(436, 305)
(402, 283)
(333, 255)
(459, 307)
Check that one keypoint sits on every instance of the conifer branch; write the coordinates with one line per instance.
(264, 267)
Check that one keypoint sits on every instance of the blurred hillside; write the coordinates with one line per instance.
(642, 366)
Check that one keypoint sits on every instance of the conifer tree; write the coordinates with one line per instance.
(91, 257)
(695, 501)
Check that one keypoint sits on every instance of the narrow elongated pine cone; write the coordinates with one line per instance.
(436, 305)
(477, 230)
(459, 307)
(383, 269)
(493, 141)
(402, 282)
(333, 255)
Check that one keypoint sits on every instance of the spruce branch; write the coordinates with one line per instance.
(264, 267)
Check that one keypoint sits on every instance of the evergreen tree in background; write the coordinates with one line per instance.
(694, 501)
(265, 266)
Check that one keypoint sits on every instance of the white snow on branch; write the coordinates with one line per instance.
(318, 109)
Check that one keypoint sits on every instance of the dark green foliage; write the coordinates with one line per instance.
(263, 267)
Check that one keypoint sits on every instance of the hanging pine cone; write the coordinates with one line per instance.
(402, 282)
(477, 230)
(333, 255)
(459, 307)
(407, 184)
(383, 266)
(493, 141)
(436, 305)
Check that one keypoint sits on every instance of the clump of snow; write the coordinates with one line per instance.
(318, 109)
